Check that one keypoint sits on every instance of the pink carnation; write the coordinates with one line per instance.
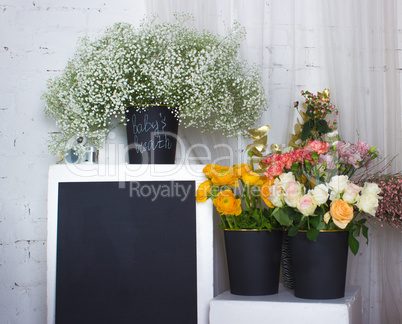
(286, 159)
(271, 159)
(274, 170)
(297, 156)
(318, 147)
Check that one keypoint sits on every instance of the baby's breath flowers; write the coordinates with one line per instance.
(197, 72)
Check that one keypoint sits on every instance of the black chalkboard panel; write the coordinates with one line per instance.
(126, 255)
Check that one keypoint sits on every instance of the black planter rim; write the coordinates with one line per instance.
(126, 109)
(249, 230)
(326, 231)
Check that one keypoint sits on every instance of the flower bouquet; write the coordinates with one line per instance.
(198, 75)
(307, 195)
(239, 194)
(253, 237)
(315, 192)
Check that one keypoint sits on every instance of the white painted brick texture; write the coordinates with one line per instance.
(36, 40)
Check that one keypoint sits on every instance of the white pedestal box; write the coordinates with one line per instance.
(101, 176)
(285, 308)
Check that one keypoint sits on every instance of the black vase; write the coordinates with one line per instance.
(151, 135)
(253, 259)
(319, 268)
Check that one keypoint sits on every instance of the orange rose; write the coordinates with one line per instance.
(224, 176)
(252, 179)
(240, 169)
(204, 189)
(227, 204)
(265, 193)
(341, 213)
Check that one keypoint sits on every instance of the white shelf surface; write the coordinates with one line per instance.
(284, 307)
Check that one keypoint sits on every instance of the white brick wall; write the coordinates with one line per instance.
(36, 39)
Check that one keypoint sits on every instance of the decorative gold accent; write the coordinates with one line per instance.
(262, 167)
(259, 132)
(275, 148)
(258, 146)
(324, 94)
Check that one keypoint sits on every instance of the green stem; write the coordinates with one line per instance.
(234, 221)
(223, 220)
(262, 219)
(230, 224)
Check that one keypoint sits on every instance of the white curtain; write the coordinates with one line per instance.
(349, 46)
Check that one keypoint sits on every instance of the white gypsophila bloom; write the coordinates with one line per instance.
(198, 73)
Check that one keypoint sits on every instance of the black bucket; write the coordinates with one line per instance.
(253, 259)
(319, 268)
(151, 135)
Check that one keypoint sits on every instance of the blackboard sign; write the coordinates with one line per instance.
(151, 135)
(126, 255)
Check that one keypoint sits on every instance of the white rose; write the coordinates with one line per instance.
(276, 197)
(351, 193)
(307, 205)
(320, 194)
(371, 189)
(294, 191)
(338, 183)
(277, 190)
(286, 177)
(368, 204)
(334, 195)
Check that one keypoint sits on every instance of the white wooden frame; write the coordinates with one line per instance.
(126, 172)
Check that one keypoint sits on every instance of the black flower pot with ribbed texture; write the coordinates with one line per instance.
(151, 135)
(253, 258)
(319, 268)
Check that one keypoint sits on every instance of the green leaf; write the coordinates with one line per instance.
(307, 128)
(365, 233)
(362, 221)
(332, 226)
(315, 155)
(295, 167)
(268, 226)
(353, 243)
(283, 218)
(322, 126)
(321, 226)
(293, 231)
(356, 231)
(314, 221)
(307, 164)
(312, 234)
(309, 111)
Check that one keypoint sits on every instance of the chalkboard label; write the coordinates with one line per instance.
(126, 255)
(151, 135)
